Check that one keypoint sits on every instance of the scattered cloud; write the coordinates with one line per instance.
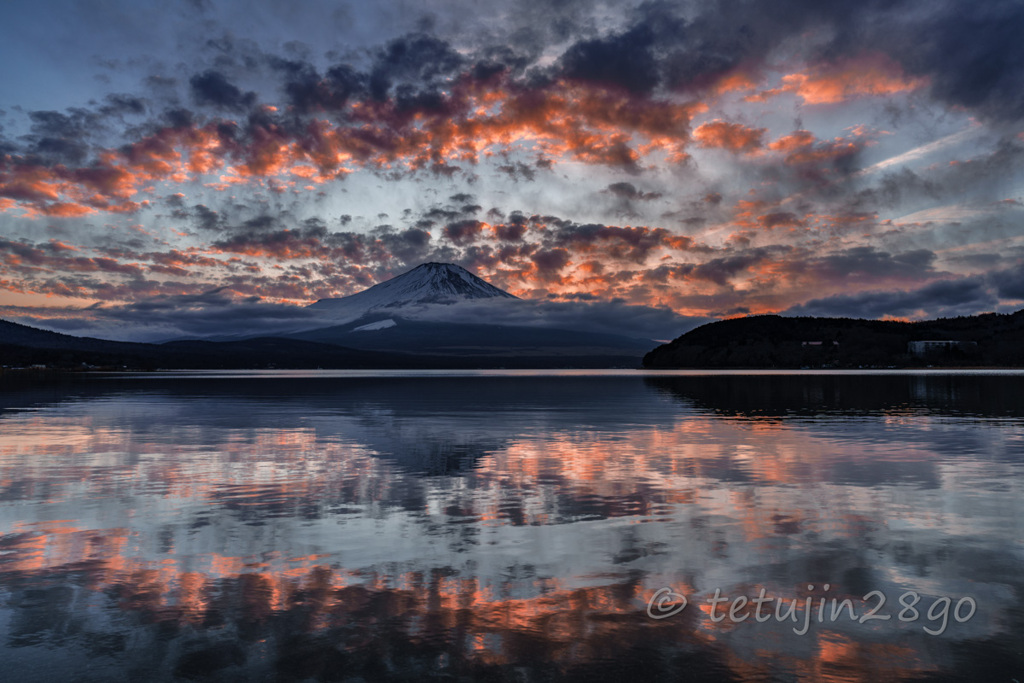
(711, 157)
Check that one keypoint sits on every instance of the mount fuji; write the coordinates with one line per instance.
(437, 315)
(445, 313)
(429, 283)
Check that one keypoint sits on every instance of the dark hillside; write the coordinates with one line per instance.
(771, 341)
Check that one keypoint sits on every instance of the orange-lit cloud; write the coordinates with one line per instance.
(868, 75)
(802, 148)
(574, 122)
(734, 137)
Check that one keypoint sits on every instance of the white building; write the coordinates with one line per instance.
(920, 348)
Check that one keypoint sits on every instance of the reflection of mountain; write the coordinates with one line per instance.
(253, 536)
(425, 424)
(296, 528)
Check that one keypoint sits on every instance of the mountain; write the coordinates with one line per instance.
(443, 311)
(22, 345)
(429, 283)
(15, 334)
(437, 315)
(771, 341)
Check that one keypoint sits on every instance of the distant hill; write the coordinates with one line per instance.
(772, 341)
(376, 328)
(21, 345)
(25, 346)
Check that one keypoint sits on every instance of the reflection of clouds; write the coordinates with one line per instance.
(194, 507)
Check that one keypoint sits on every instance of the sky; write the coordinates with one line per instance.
(180, 166)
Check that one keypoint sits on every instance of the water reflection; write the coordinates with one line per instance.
(506, 527)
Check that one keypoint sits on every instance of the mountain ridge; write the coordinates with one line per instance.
(434, 315)
(773, 341)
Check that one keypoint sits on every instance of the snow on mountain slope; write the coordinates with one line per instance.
(430, 283)
(379, 325)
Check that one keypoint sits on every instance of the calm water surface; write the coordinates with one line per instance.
(512, 527)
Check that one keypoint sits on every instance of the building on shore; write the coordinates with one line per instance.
(934, 346)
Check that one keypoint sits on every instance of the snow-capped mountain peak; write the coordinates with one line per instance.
(429, 283)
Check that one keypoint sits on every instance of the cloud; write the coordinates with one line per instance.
(971, 56)
(865, 264)
(629, 191)
(945, 298)
(550, 262)
(286, 244)
(613, 241)
(518, 171)
(463, 233)
(418, 58)
(58, 137)
(923, 151)
(308, 92)
(1009, 283)
(408, 130)
(212, 88)
(832, 83)
(545, 108)
(818, 159)
(623, 60)
(734, 137)
(219, 312)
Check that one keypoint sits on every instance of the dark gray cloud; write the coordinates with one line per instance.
(624, 60)
(1009, 283)
(218, 312)
(462, 233)
(206, 218)
(212, 88)
(629, 191)
(307, 91)
(518, 171)
(896, 188)
(721, 270)
(123, 104)
(550, 261)
(971, 52)
(418, 59)
(58, 137)
(942, 299)
(867, 264)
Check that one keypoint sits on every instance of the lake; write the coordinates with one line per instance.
(512, 526)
